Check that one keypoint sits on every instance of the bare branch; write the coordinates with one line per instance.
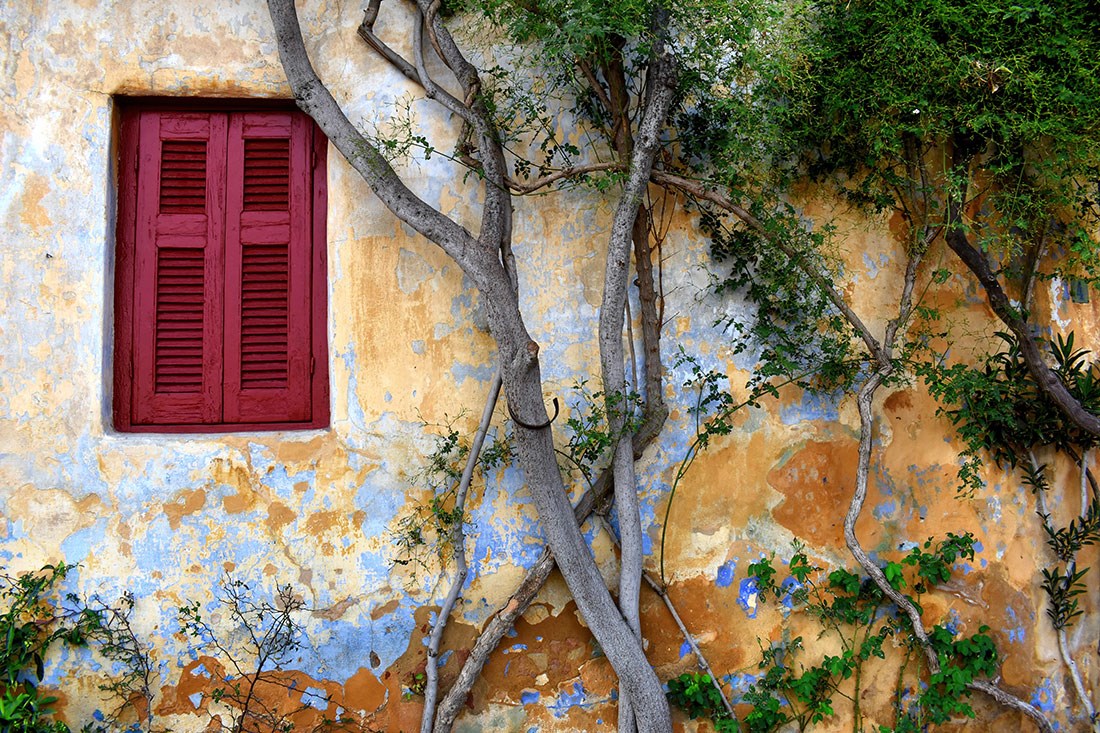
(977, 263)
(431, 89)
(458, 542)
(864, 401)
(370, 15)
(570, 172)
(1048, 381)
(526, 592)
(612, 366)
(662, 592)
(594, 84)
(522, 381)
(366, 32)
(497, 211)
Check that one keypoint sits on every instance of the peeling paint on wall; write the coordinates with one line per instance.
(166, 516)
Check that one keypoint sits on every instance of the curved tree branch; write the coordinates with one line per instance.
(481, 261)
(570, 172)
(537, 575)
(864, 401)
(998, 300)
(1048, 381)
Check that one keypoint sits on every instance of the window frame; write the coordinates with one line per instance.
(126, 251)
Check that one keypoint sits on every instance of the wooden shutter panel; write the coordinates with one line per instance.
(268, 268)
(178, 269)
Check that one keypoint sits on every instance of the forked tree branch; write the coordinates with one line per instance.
(998, 300)
(662, 593)
(864, 402)
(612, 365)
(505, 618)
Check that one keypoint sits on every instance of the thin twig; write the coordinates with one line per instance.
(570, 172)
(458, 542)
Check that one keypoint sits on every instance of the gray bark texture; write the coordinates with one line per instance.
(537, 575)
(480, 260)
(612, 366)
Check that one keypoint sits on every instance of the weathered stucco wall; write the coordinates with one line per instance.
(165, 516)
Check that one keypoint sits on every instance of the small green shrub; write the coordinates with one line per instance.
(32, 620)
(695, 694)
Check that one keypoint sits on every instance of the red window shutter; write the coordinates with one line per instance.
(269, 222)
(178, 269)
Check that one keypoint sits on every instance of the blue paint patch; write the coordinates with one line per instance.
(747, 596)
(418, 347)
(77, 546)
(724, 577)
(515, 648)
(315, 697)
(821, 407)
(1018, 632)
(740, 683)
(953, 622)
(1045, 696)
(529, 697)
(340, 654)
(885, 510)
(478, 372)
(873, 267)
(789, 587)
(563, 702)
(685, 649)
(196, 699)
